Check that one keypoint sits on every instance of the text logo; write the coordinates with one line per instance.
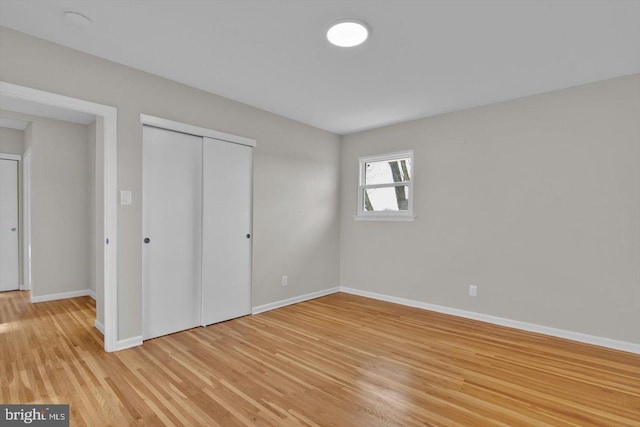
(34, 415)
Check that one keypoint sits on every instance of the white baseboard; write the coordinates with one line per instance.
(293, 300)
(99, 326)
(129, 343)
(531, 327)
(61, 295)
(92, 294)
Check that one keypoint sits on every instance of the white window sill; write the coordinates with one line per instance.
(397, 218)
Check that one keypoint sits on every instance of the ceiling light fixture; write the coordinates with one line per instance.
(348, 33)
(77, 18)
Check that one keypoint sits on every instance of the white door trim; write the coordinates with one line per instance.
(26, 220)
(7, 156)
(194, 130)
(109, 114)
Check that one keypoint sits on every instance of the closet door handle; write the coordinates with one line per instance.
(248, 236)
(147, 240)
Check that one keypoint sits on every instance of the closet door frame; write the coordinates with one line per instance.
(171, 125)
(158, 122)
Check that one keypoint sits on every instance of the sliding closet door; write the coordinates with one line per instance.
(8, 225)
(226, 245)
(172, 225)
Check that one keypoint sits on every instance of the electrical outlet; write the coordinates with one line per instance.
(285, 281)
(473, 290)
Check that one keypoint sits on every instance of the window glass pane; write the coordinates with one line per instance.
(387, 171)
(386, 199)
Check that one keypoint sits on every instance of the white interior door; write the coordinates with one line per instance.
(9, 278)
(172, 223)
(226, 245)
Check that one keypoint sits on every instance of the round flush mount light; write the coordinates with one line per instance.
(77, 18)
(348, 33)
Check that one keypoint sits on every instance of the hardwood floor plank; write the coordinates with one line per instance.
(340, 360)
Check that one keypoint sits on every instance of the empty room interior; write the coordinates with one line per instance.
(322, 213)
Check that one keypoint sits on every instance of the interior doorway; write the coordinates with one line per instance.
(107, 297)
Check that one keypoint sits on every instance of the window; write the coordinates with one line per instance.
(385, 191)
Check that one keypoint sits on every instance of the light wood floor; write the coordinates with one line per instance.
(340, 360)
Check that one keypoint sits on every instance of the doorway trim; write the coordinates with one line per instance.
(26, 220)
(109, 115)
(161, 123)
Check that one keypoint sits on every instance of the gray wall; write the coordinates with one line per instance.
(96, 131)
(296, 224)
(91, 162)
(11, 141)
(61, 196)
(536, 201)
(60, 221)
(95, 159)
(28, 138)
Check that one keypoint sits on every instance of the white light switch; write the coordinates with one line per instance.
(125, 197)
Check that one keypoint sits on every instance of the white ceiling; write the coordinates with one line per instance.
(423, 58)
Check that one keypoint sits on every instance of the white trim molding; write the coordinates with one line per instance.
(26, 220)
(294, 300)
(159, 122)
(109, 115)
(129, 343)
(396, 218)
(7, 156)
(516, 324)
(61, 295)
(92, 294)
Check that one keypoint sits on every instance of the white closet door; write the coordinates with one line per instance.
(172, 223)
(9, 279)
(226, 246)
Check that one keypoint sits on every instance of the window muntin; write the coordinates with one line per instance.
(387, 171)
(386, 186)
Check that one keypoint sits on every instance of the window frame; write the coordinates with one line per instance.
(361, 214)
